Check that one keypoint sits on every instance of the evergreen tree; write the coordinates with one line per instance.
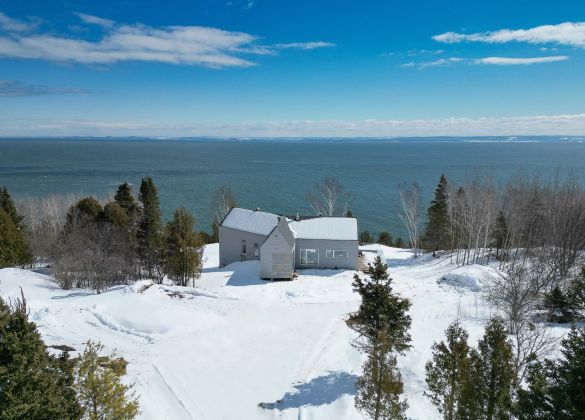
(492, 369)
(149, 226)
(33, 384)
(558, 306)
(184, 248)
(556, 389)
(501, 233)
(446, 374)
(379, 387)
(13, 248)
(8, 206)
(101, 393)
(380, 311)
(437, 230)
(365, 238)
(126, 200)
(114, 213)
(385, 238)
(86, 212)
(399, 243)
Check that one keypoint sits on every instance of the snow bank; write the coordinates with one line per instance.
(463, 282)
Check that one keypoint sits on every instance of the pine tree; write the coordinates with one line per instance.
(101, 393)
(13, 248)
(8, 206)
(559, 306)
(184, 248)
(149, 226)
(385, 238)
(446, 373)
(381, 310)
(437, 230)
(492, 368)
(379, 387)
(33, 384)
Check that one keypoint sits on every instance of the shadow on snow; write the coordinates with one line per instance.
(318, 391)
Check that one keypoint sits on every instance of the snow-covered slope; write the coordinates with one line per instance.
(218, 350)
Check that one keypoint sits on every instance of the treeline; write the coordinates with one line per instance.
(92, 243)
(497, 379)
(34, 384)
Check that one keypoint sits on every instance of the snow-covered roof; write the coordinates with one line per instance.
(328, 228)
(253, 221)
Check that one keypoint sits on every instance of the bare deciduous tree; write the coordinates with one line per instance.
(410, 213)
(328, 198)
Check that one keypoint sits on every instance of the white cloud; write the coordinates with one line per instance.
(569, 125)
(568, 33)
(95, 20)
(510, 61)
(190, 45)
(13, 25)
(305, 45)
(440, 62)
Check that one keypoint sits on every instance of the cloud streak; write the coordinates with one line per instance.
(570, 125)
(181, 45)
(568, 34)
(511, 61)
(15, 88)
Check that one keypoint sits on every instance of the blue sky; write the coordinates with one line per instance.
(296, 68)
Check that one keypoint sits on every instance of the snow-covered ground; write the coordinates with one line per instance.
(218, 350)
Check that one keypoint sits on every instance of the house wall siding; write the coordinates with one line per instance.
(273, 264)
(230, 245)
(352, 248)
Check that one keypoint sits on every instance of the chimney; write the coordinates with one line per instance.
(297, 217)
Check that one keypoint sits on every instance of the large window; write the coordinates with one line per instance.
(338, 254)
(309, 256)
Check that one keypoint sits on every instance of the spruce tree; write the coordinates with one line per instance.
(149, 227)
(556, 389)
(184, 249)
(13, 248)
(114, 213)
(126, 200)
(33, 384)
(399, 243)
(447, 372)
(437, 232)
(101, 393)
(7, 204)
(493, 371)
(381, 310)
(379, 387)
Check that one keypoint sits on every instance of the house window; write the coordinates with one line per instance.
(309, 256)
(338, 254)
(243, 246)
(256, 250)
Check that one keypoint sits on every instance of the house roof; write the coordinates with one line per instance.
(252, 221)
(327, 228)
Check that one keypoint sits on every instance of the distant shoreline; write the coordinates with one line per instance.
(434, 139)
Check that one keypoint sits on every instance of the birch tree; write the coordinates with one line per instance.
(410, 213)
(328, 198)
